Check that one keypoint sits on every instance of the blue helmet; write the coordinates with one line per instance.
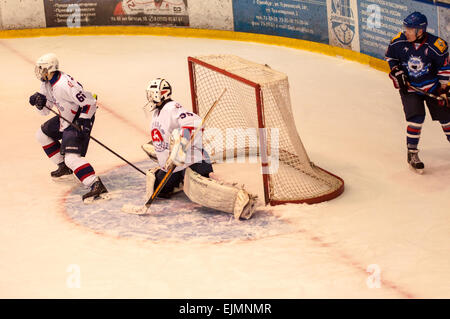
(416, 20)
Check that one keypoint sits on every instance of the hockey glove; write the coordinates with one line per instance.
(178, 152)
(39, 100)
(444, 94)
(85, 126)
(399, 78)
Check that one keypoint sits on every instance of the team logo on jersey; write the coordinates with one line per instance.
(158, 140)
(416, 67)
(440, 44)
(156, 136)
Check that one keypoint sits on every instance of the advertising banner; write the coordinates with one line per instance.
(301, 19)
(76, 13)
(343, 29)
(381, 20)
(444, 22)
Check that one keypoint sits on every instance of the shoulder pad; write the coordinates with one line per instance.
(440, 44)
(397, 37)
(174, 105)
(170, 105)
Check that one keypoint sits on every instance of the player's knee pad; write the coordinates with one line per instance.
(217, 195)
(42, 138)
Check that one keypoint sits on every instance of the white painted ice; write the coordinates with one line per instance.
(351, 123)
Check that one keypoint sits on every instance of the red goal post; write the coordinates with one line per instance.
(257, 111)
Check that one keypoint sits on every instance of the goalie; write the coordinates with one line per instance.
(172, 121)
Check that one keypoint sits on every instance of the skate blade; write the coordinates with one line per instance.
(419, 171)
(135, 209)
(65, 179)
(99, 198)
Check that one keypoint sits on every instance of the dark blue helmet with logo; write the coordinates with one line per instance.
(416, 20)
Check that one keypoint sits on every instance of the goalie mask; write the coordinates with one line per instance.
(45, 65)
(158, 91)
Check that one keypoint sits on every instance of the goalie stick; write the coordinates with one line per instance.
(144, 210)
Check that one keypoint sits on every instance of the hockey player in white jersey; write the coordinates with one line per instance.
(73, 103)
(172, 121)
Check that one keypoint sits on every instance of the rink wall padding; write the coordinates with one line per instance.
(202, 33)
(358, 30)
(174, 220)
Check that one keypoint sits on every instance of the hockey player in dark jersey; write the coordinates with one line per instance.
(419, 59)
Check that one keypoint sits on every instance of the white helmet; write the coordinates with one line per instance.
(159, 90)
(45, 65)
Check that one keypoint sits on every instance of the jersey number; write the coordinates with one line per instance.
(183, 115)
(80, 96)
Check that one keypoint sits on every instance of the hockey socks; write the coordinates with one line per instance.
(50, 147)
(446, 129)
(82, 169)
(413, 131)
(86, 174)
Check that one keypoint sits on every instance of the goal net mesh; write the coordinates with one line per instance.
(254, 120)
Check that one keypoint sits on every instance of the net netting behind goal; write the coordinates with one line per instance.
(254, 118)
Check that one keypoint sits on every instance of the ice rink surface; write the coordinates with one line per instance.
(389, 223)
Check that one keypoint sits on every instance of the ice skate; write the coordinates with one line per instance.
(414, 161)
(61, 171)
(98, 190)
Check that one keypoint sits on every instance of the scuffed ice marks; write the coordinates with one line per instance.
(175, 220)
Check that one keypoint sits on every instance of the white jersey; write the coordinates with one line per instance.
(69, 97)
(174, 116)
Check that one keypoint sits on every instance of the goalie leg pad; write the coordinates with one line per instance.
(217, 195)
(150, 182)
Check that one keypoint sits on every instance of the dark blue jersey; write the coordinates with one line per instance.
(425, 63)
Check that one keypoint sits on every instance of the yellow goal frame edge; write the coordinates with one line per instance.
(202, 33)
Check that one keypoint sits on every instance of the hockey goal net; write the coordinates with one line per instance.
(254, 117)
